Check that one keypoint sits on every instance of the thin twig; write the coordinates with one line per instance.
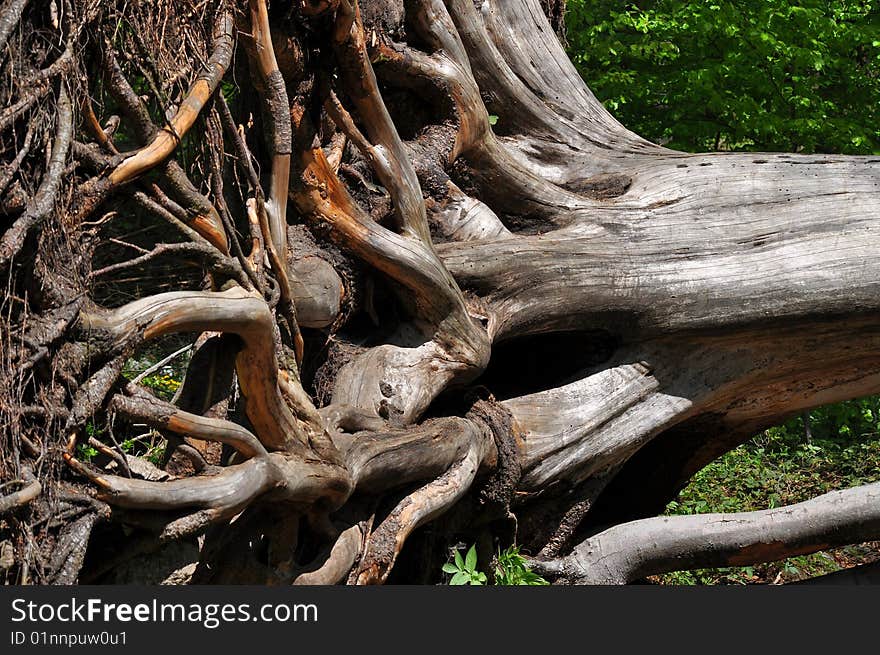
(10, 169)
(155, 367)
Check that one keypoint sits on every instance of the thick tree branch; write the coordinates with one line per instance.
(419, 507)
(731, 243)
(235, 311)
(506, 182)
(457, 349)
(395, 171)
(10, 14)
(631, 551)
(388, 459)
(339, 561)
(200, 213)
(591, 425)
(30, 490)
(559, 129)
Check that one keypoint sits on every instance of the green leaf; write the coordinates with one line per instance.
(450, 568)
(471, 561)
(478, 578)
(460, 578)
(492, 119)
(459, 562)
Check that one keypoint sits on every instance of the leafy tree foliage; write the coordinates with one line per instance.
(800, 76)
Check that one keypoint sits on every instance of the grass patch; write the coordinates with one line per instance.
(780, 467)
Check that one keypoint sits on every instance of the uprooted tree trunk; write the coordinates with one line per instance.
(399, 315)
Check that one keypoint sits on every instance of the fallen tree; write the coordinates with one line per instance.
(408, 327)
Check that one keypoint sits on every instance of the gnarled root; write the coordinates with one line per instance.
(338, 562)
(30, 491)
(417, 509)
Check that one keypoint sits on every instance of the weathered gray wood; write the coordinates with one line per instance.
(720, 243)
(733, 290)
(317, 292)
(631, 551)
(10, 14)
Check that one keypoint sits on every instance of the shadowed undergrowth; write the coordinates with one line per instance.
(781, 467)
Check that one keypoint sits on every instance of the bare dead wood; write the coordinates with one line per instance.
(407, 257)
(235, 311)
(339, 561)
(200, 212)
(419, 507)
(690, 209)
(41, 205)
(10, 14)
(257, 209)
(268, 225)
(93, 125)
(634, 550)
(201, 90)
(394, 167)
(725, 292)
(216, 137)
(67, 560)
(317, 291)
(278, 112)
(200, 237)
(24, 496)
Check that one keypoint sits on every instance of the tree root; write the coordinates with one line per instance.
(168, 138)
(10, 15)
(24, 496)
(236, 311)
(339, 561)
(43, 201)
(143, 406)
(277, 108)
(419, 507)
(631, 551)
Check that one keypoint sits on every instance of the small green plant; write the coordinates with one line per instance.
(163, 384)
(511, 569)
(155, 455)
(464, 571)
(85, 453)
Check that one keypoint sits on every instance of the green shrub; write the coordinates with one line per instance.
(510, 569)
(779, 75)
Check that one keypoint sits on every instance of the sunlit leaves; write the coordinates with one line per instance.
(798, 76)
